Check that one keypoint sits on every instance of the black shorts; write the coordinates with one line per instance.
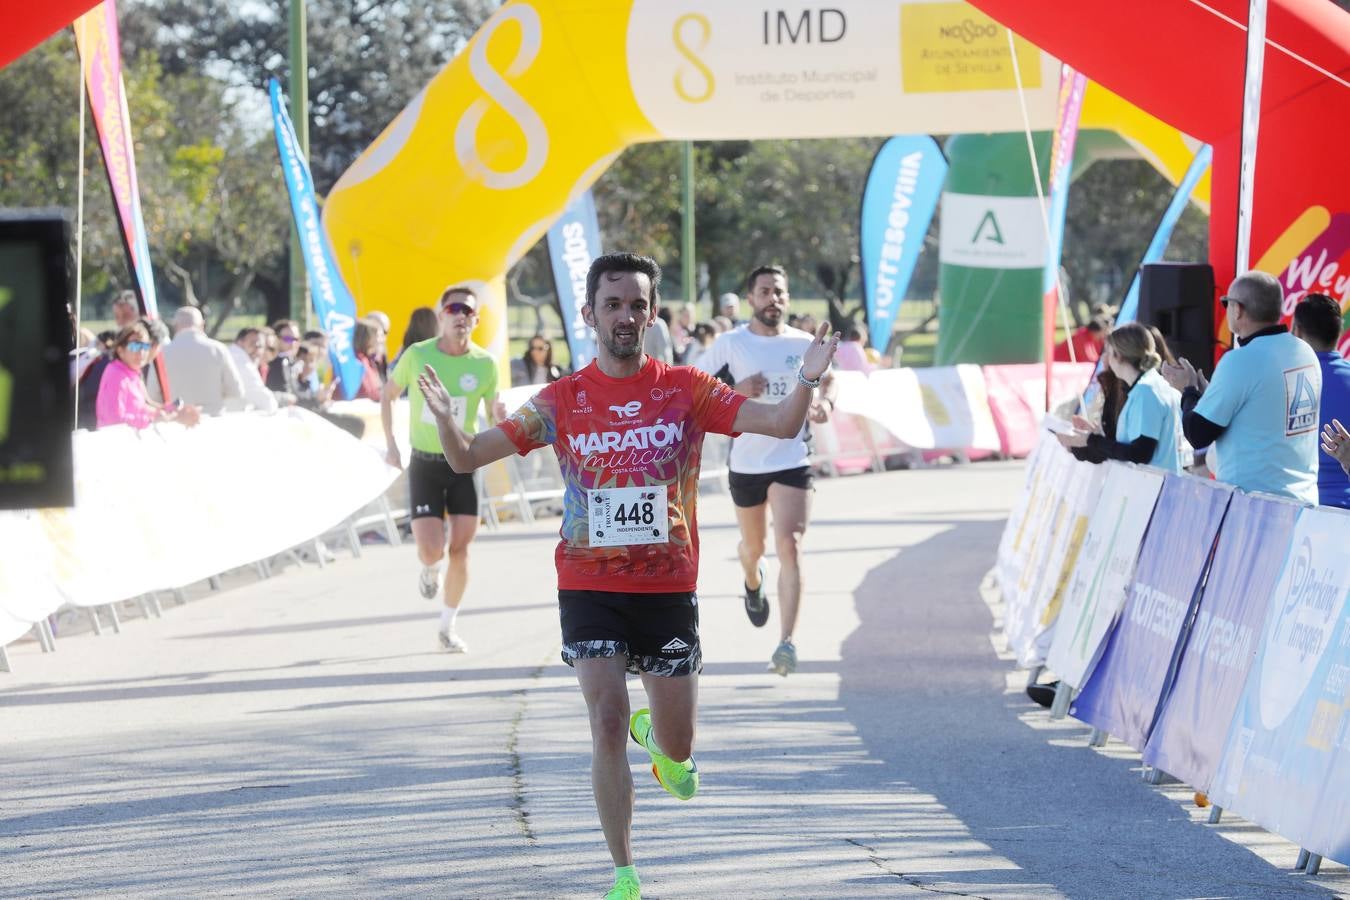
(436, 490)
(656, 633)
(753, 490)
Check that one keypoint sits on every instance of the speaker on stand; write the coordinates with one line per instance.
(1178, 298)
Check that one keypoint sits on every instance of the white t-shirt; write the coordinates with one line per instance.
(777, 358)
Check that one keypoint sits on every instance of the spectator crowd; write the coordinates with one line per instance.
(1269, 419)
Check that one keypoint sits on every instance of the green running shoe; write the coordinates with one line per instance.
(625, 888)
(784, 660)
(680, 779)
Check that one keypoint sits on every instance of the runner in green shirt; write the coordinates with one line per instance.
(435, 491)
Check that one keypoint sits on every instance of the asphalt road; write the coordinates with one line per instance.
(301, 737)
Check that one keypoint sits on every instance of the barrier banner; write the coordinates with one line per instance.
(1221, 645)
(938, 408)
(99, 45)
(1104, 570)
(1016, 395)
(1286, 761)
(573, 241)
(1016, 512)
(1014, 544)
(1040, 530)
(1081, 496)
(1122, 695)
(333, 303)
(898, 202)
(104, 550)
(956, 405)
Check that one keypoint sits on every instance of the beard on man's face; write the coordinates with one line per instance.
(623, 343)
(769, 315)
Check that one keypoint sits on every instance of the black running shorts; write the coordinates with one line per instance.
(655, 633)
(753, 490)
(436, 490)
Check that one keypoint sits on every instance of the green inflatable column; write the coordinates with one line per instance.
(991, 251)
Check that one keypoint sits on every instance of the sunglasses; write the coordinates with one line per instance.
(1224, 301)
(138, 346)
(458, 309)
(289, 339)
(537, 347)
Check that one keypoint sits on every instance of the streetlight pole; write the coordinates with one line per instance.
(299, 90)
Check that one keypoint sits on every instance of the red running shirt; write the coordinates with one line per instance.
(644, 430)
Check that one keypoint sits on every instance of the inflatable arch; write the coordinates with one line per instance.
(1185, 63)
(478, 165)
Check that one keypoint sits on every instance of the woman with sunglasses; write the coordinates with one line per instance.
(121, 392)
(536, 365)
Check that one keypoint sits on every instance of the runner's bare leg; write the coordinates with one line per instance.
(606, 692)
(791, 508)
(462, 530)
(753, 521)
(674, 705)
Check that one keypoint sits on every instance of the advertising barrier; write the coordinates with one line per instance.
(1016, 395)
(1221, 644)
(1104, 570)
(1286, 761)
(1015, 543)
(112, 547)
(1031, 641)
(1122, 694)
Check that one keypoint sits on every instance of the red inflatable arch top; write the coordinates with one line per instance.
(1184, 61)
(25, 25)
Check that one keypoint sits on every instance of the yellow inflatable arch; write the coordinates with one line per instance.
(544, 97)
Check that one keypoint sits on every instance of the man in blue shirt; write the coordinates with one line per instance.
(1260, 411)
(1317, 320)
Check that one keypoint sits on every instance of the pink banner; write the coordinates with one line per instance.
(1017, 394)
(96, 38)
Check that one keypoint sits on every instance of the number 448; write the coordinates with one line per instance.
(636, 514)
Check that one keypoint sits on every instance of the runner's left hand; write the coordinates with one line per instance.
(820, 353)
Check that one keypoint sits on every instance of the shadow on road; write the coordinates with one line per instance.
(1064, 816)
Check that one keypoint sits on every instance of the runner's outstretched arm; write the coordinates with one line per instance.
(464, 452)
(786, 417)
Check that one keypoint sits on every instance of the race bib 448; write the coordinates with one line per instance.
(631, 515)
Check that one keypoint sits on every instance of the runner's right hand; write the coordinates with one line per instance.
(393, 457)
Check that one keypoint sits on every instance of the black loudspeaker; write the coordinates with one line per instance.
(36, 407)
(1179, 299)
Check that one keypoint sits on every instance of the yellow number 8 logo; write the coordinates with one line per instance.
(704, 34)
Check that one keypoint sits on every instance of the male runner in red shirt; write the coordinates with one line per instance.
(628, 431)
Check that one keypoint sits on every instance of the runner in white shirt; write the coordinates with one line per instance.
(763, 356)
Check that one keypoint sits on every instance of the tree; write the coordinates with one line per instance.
(1114, 209)
(367, 58)
(792, 202)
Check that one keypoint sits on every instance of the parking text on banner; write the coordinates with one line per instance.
(1286, 762)
(1122, 694)
(1190, 731)
(1104, 570)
